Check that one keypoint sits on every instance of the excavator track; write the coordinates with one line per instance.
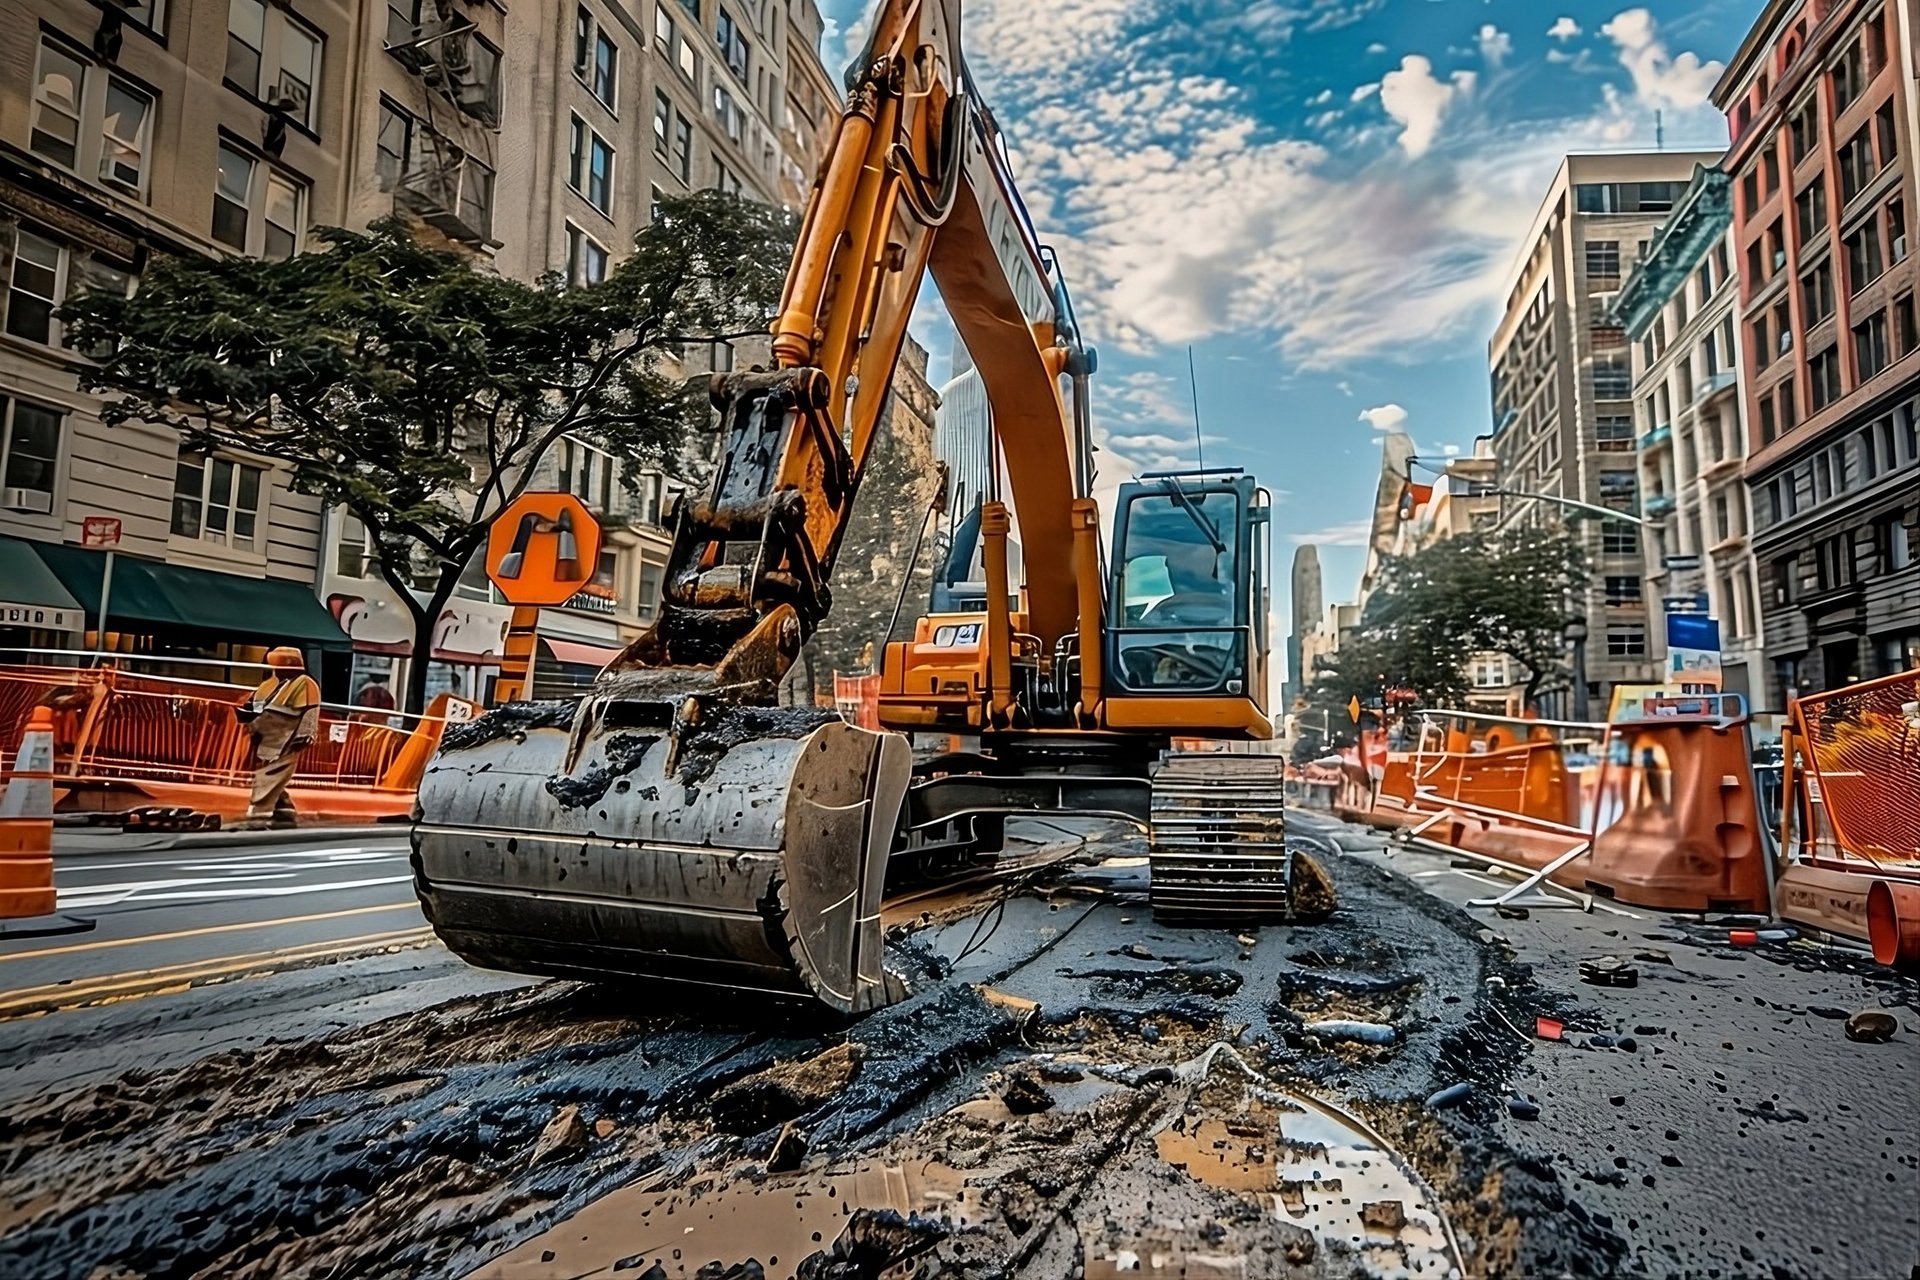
(1218, 849)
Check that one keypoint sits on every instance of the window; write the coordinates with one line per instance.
(1863, 258)
(1616, 540)
(125, 123)
(476, 196)
(725, 180)
(393, 145)
(90, 121)
(1789, 407)
(651, 577)
(727, 112)
(1612, 379)
(1489, 672)
(1782, 328)
(1607, 338)
(1626, 642)
(36, 286)
(29, 455)
(1619, 490)
(688, 61)
(683, 148)
(1870, 353)
(1904, 328)
(1623, 590)
(1849, 77)
(256, 208)
(1804, 129)
(403, 21)
(1603, 257)
(1722, 518)
(663, 29)
(272, 57)
(1816, 293)
(1769, 173)
(662, 121)
(1614, 433)
(733, 46)
(590, 166)
(582, 40)
(1896, 545)
(1750, 191)
(1883, 131)
(1824, 371)
(586, 258)
(1811, 206)
(217, 500)
(606, 70)
(246, 43)
(1762, 349)
(1768, 428)
(1856, 165)
(587, 473)
(1896, 230)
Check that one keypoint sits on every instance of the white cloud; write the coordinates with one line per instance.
(1450, 450)
(1661, 78)
(1564, 29)
(1376, 48)
(1495, 44)
(1321, 98)
(1384, 417)
(1417, 100)
(1353, 533)
(1344, 387)
(1364, 92)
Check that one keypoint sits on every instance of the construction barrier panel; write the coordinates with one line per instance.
(122, 740)
(857, 699)
(1850, 823)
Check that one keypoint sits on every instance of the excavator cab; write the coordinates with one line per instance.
(1185, 636)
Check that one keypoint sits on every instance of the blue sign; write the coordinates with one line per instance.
(1692, 631)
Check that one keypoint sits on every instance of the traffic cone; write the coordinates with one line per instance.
(27, 898)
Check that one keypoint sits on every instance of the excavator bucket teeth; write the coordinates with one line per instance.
(750, 860)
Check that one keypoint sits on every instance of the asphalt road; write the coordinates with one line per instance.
(167, 918)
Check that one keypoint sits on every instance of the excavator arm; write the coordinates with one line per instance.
(914, 179)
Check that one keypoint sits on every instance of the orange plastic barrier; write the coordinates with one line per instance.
(857, 699)
(123, 739)
(26, 824)
(1855, 762)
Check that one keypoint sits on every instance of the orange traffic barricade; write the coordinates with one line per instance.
(27, 897)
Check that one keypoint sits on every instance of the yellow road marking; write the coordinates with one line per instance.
(180, 976)
(195, 933)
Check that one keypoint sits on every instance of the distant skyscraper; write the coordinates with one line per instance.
(1307, 608)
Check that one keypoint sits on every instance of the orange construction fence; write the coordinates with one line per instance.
(26, 822)
(172, 739)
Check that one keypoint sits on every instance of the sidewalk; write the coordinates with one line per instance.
(81, 841)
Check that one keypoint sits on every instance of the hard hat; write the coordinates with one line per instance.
(285, 656)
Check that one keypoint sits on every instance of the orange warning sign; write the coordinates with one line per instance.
(543, 548)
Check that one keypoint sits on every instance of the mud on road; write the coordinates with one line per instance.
(1071, 1091)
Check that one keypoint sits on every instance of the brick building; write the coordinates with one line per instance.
(1820, 105)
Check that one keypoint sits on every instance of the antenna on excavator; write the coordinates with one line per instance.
(1199, 444)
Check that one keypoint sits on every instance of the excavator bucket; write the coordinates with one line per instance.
(741, 851)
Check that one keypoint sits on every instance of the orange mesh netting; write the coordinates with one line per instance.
(1863, 747)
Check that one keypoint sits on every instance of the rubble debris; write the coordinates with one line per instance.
(784, 1091)
(1025, 1096)
(1609, 971)
(1451, 1096)
(872, 1242)
(564, 1134)
(1353, 1029)
(1506, 912)
(1549, 1028)
(1521, 1107)
(1871, 1026)
(1383, 1215)
(1136, 951)
(789, 1150)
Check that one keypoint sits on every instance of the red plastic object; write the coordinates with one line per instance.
(1549, 1029)
(1893, 922)
(1742, 937)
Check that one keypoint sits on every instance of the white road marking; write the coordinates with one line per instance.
(210, 857)
(82, 898)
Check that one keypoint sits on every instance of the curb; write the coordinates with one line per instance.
(83, 841)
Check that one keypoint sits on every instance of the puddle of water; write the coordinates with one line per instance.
(1311, 1169)
(778, 1222)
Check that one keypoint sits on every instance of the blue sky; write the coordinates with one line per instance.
(1321, 196)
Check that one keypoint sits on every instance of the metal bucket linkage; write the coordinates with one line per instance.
(1218, 850)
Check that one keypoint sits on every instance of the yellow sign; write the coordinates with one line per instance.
(1353, 709)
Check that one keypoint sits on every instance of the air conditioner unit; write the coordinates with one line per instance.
(36, 500)
(1899, 248)
(290, 97)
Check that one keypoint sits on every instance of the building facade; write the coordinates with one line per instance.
(127, 131)
(1562, 386)
(1820, 103)
(1308, 604)
(1678, 309)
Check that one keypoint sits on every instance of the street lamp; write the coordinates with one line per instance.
(1576, 633)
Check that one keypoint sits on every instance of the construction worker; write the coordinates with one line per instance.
(281, 716)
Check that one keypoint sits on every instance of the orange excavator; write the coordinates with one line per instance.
(676, 825)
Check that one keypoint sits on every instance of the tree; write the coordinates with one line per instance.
(420, 393)
(1507, 592)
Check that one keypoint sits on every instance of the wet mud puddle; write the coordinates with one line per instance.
(1310, 1168)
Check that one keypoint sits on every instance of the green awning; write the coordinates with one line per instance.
(231, 607)
(30, 595)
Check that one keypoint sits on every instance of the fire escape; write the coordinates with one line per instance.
(446, 186)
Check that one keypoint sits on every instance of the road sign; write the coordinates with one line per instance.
(543, 548)
(1353, 709)
(1680, 564)
(1693, 652)
(100, 531)
(1683, 605)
